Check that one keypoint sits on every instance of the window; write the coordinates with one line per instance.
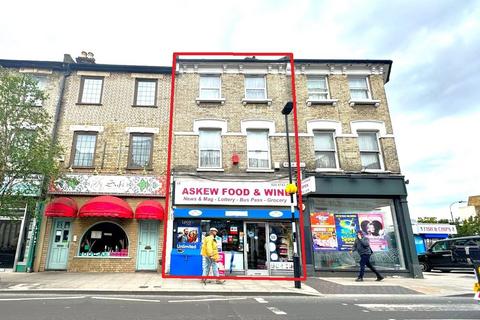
(317, 88)
(359, 88)
(210, 146)
(210, 87)
(441, 246)
(145, 92)
(369, 150)
(255, 88)
(41, 85)
(140, 151)
(324, 144)
(91, 90)
(258, 150)
(105, 239)
(84, 149)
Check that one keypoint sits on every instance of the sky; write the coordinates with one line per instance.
(433, 92)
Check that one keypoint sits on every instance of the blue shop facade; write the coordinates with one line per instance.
(254, 222)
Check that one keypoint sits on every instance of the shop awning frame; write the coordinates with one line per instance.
(106, 206)
(61, 207)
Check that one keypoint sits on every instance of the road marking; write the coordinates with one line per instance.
(344, 304)
(23, 286)
(420, 307)
(42, 298)
(261, 300)
(124, 299)
(276, 311)
(210, 299)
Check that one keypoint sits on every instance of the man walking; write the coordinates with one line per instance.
(362, 246)
(210, 255)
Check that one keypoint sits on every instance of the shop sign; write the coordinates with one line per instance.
(308, 185)
(232, 193)
(229, 213)
(26, 187)
(109, 184)
(281, 265)
(433, 228)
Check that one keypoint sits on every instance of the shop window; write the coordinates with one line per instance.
(104, 239)
(334, 223)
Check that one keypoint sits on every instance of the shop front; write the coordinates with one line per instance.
(427, 233)
(254, 239)
(339, 206)
(87, 232)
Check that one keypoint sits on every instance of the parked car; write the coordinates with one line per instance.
(449, 254)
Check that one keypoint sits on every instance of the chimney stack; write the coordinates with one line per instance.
(86, 58)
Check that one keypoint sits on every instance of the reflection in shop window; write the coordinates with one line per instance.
(334, 223)
(105, 239)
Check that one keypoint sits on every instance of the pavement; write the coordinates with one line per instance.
(434, 284)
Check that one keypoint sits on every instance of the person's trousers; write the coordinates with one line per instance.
(365, 261)
(208, 263)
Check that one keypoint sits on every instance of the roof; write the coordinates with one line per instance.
(56, 65)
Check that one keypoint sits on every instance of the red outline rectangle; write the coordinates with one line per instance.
(297, 159)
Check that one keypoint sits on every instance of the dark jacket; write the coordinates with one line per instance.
(362, 246)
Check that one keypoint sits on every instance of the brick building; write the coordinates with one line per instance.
(229, 140)
(105, 213)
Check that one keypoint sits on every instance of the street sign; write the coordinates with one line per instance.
(308, 185)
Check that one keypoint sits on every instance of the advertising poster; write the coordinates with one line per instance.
(188, 237)
(221, 264)
(323, 231)
(346, 226)
(373, 226)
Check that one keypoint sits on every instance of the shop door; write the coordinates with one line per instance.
(256, 249)
(147, 245)
(59, 245)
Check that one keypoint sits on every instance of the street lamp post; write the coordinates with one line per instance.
(296, 258)
(451, 204)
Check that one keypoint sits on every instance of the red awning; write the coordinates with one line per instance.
(61, 207)
(149, 209)
(106, 206)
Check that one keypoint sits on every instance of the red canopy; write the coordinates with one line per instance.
(61, 207)
(149, 209)
(106, 206)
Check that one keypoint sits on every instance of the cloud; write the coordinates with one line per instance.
(434, 45)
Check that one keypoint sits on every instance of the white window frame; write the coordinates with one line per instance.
(200, 88)
(334, 150)
(265, 99)
(367, 101)
(316, 78)
(379, 152)
(200, 150)
(269, 155)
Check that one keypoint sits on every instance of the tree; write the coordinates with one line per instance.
(27, 153)
(468, 227)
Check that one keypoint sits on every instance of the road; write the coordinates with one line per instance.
(86, 307)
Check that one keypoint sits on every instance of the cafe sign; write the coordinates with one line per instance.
(231, 193)
(151, 186)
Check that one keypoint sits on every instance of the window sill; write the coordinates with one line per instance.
(260, 170)
(140, 106)
(375, 103)
(138, 169)
(245, 101)
(202, 100)
(328, 170)
(333, 102)
(88, 104)
(210, 169)
(74, 167)
(375, 171)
